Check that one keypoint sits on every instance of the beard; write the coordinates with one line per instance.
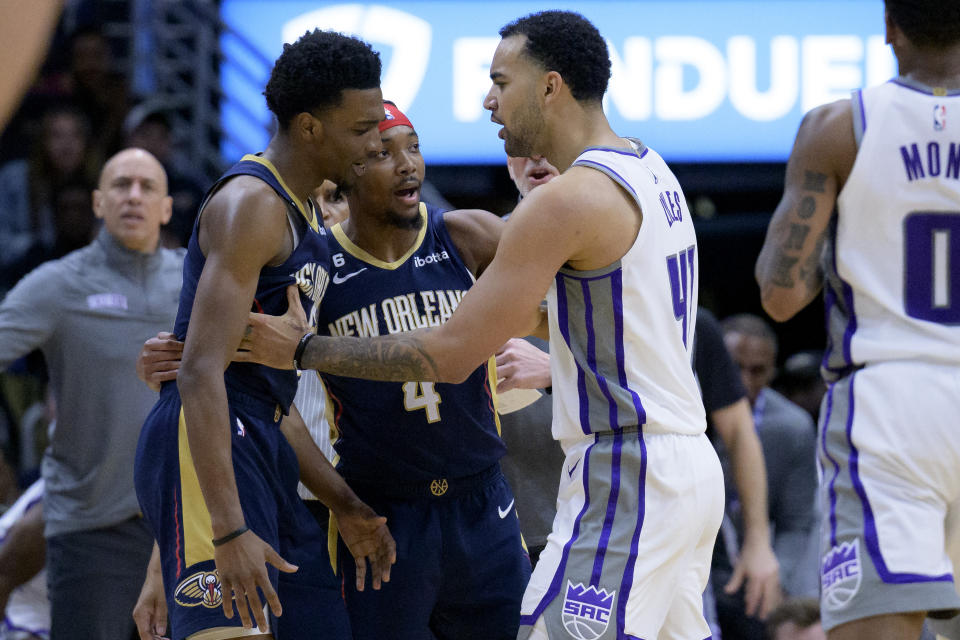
(405, 223)
(519, 140)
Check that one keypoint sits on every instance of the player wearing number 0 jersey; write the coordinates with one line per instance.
(424, 455)
(889, 159)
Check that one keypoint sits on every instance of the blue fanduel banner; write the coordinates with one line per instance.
(716, 80)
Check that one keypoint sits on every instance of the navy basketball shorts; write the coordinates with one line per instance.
(461, 565)
(266, 472)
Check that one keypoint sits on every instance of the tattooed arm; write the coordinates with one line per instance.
(788, 269)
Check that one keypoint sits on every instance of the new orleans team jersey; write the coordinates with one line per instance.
(405, 432)
(621, 336)
(306, 266)
(892, 286)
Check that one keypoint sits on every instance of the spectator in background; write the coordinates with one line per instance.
(796, 619)
(60, 158)
(333, 205)
(800, 382)
(788, 437)
(89, 313)
(98, 87)
(148, 126)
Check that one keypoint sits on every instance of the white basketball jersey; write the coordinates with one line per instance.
(621, 336)
(892, 287)
(28, 607)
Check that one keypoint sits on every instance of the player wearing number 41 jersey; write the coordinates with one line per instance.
(888, 261)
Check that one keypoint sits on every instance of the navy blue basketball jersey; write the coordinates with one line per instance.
(307, 266)
(405, 432)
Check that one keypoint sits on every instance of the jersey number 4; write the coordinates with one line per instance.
(931, 260)
(420, 395)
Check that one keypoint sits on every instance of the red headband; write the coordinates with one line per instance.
(394, 118)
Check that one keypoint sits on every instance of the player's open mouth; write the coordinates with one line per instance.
(408, 196)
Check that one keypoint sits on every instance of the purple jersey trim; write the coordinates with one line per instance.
(869, 524)
(922, 88)
(605, 169)
(555, 584)
(563, 320)
(627, 582)
(836, 469)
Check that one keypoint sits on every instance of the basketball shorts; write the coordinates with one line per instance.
(629, 554)
(266, 473)
(461, 567)
(890, 457)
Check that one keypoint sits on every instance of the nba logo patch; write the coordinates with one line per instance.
(939, 117)
(586, 611)
(840, 574)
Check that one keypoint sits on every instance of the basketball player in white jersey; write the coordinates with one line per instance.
(888, 260)
(611, 245)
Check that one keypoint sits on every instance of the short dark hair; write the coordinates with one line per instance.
(747, 324)
(566, 42)
(312, 73)
(927, 23)
(803, 612)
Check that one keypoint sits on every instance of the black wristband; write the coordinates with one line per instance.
(301, 347)
(230, 536)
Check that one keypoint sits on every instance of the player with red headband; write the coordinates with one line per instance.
(424, 455)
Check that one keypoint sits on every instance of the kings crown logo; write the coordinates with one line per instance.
(586, 611)
(840, 574)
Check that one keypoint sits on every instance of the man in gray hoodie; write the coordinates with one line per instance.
(89, 313)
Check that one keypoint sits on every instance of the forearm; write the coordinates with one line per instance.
(316, 472)
(208, 429)
(750, 477)
(394, 358)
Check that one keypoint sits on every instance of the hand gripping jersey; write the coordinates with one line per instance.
(892, 287)
(306, 266)
(406, 432)
(621, 335)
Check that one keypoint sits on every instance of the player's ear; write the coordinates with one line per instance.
(97, 203)
(307, 126)
(553, 82)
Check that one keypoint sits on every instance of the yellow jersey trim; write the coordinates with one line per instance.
(492, 380)
(197, 530)
(360, 254)
(310, 217)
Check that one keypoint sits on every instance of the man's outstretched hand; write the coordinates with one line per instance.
(272, 340)
(368, 539)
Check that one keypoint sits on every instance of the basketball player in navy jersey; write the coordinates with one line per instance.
(871, 215)
(611, 245)
(424, 455)
(215, 477)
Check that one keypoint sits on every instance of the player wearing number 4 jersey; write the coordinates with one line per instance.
(424, 455)
(889, 264)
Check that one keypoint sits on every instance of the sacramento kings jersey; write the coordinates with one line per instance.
(306, 266)
(405, 432)
(621, 336)
(892, 285)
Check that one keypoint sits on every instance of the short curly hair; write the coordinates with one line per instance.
(927, 23)
(312, 73)
(566, 42)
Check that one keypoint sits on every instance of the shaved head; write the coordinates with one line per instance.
(140, 157)
(131, 198)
